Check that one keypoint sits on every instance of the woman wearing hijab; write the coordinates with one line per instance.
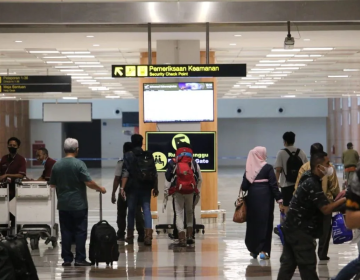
(260, 182)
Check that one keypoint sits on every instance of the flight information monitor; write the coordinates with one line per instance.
(178, 102)
(163, 145)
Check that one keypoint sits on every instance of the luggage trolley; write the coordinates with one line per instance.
(4, 207)
(35, 212)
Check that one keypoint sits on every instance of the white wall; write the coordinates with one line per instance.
(112, 141)
(237, 136)
(50, 134)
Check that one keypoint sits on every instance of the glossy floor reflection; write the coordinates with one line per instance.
(219, 254)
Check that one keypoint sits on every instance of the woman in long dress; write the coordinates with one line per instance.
(260, 183)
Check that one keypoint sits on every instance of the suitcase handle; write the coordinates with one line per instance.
(100, 206)
(103, 222)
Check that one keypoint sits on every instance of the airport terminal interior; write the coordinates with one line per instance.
(224, 76)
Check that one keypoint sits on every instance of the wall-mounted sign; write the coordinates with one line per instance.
(30, 84)
(179, 70)
(163, 145)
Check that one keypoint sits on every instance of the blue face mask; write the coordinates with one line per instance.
(43, 162)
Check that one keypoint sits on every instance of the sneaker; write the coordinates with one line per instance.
(83, 263)
(66, 264)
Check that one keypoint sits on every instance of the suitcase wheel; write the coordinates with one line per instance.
(107, 263)
(34, 243)
(54, 244)
(203, 231)
(97, 264)
(164, 230)
(197, 230)
(158, 232)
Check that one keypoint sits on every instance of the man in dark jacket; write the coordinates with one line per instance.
(303, 222)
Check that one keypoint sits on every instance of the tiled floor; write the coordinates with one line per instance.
(219, 254)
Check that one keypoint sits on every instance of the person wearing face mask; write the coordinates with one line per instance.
(42, 155)
(330, 187)
(12, 166)
(303, 223)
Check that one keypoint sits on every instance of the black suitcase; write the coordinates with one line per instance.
(103, 242)
(7, 271)
(19, 254)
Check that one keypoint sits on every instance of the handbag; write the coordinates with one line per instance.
(240, 208)
(340, 233)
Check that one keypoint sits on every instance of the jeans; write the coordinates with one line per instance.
(350, 270)
(134, 198)
(298, 251)
(73, 225)
(121, 218)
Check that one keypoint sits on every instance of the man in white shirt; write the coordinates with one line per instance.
(287, 165)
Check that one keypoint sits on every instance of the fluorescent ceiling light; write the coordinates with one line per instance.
(80, 77)
(96, 45)
(43, 52)
(299, 60)
(71, 70)
(265, 83)
(88, 80)
(318, 49)
(58, 62)
(316, 55)
(232, 44)
(8, 97)
(112, 96)
(75, 52)
(288, 96)
(101, 73)
(257, 86)
(245, 83)
(59, 67)
(351, 70)
(99, 88)
(87, 62)
(6, 73)
(272, 61)
(237, 35)
(104, 78)
(288, 68)
(90, 83)
(267, 65)
(70, 97)
(90, 36)
(277, 75)
(120, 92)
(280, 55)
(18, 41)
(47, 57)
(77, 74)
(293, 65)
(306, 40)
(262, 69)
(282, 72)
(91, 66)
(339, 76)
(277, 78)
(80, 56)
(249, 78)
(258, 72)
(236, 85)
(285, 50)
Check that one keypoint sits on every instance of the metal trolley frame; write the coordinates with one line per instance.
(35, 212)
(4, 207)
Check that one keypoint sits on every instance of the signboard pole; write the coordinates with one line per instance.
(149, 44)
(207, 43)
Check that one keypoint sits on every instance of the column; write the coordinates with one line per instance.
(354, 125)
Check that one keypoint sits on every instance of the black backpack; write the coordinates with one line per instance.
(103, 244)
(143, 168)
(293, 166)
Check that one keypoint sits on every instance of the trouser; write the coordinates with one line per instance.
(176, 232)
(184, 201)
(298, 251)
(73, 225)
(135, 198)
(348, 176)
(324, 240)
(349, 271)
(121, 218)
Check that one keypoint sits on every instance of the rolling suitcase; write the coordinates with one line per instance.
(7, 271)
(19, 255)
(103, 242)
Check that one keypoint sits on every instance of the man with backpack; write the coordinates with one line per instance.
(287, 165)
(183, 181)
(139, 180)
(122, 203)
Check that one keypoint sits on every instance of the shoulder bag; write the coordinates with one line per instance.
(240, 208)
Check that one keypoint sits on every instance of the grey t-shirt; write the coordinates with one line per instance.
(281, 160)
(118, 168)
(69, 176)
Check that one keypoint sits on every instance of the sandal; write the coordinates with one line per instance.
(264, 256)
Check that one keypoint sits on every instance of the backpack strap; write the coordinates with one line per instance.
(288, 152)
(297, 152)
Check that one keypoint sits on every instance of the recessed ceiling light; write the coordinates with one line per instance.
(70, 97)
(288, 96)
(285, 50)
(232, 44)
(18, 41)
(351, 70)
(339, 76)
(59, 62)
(318, 49)
(112, 96)
(96, 45)
(90, 36)
(43, 52)
(280, 55)
(237, 35)
(306, 40)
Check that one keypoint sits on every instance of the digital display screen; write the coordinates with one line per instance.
(163, 145)
(178, 102)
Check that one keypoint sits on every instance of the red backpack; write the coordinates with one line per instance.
(184, 172)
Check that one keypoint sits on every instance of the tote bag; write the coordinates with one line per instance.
(240, 208)
(340, 233)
